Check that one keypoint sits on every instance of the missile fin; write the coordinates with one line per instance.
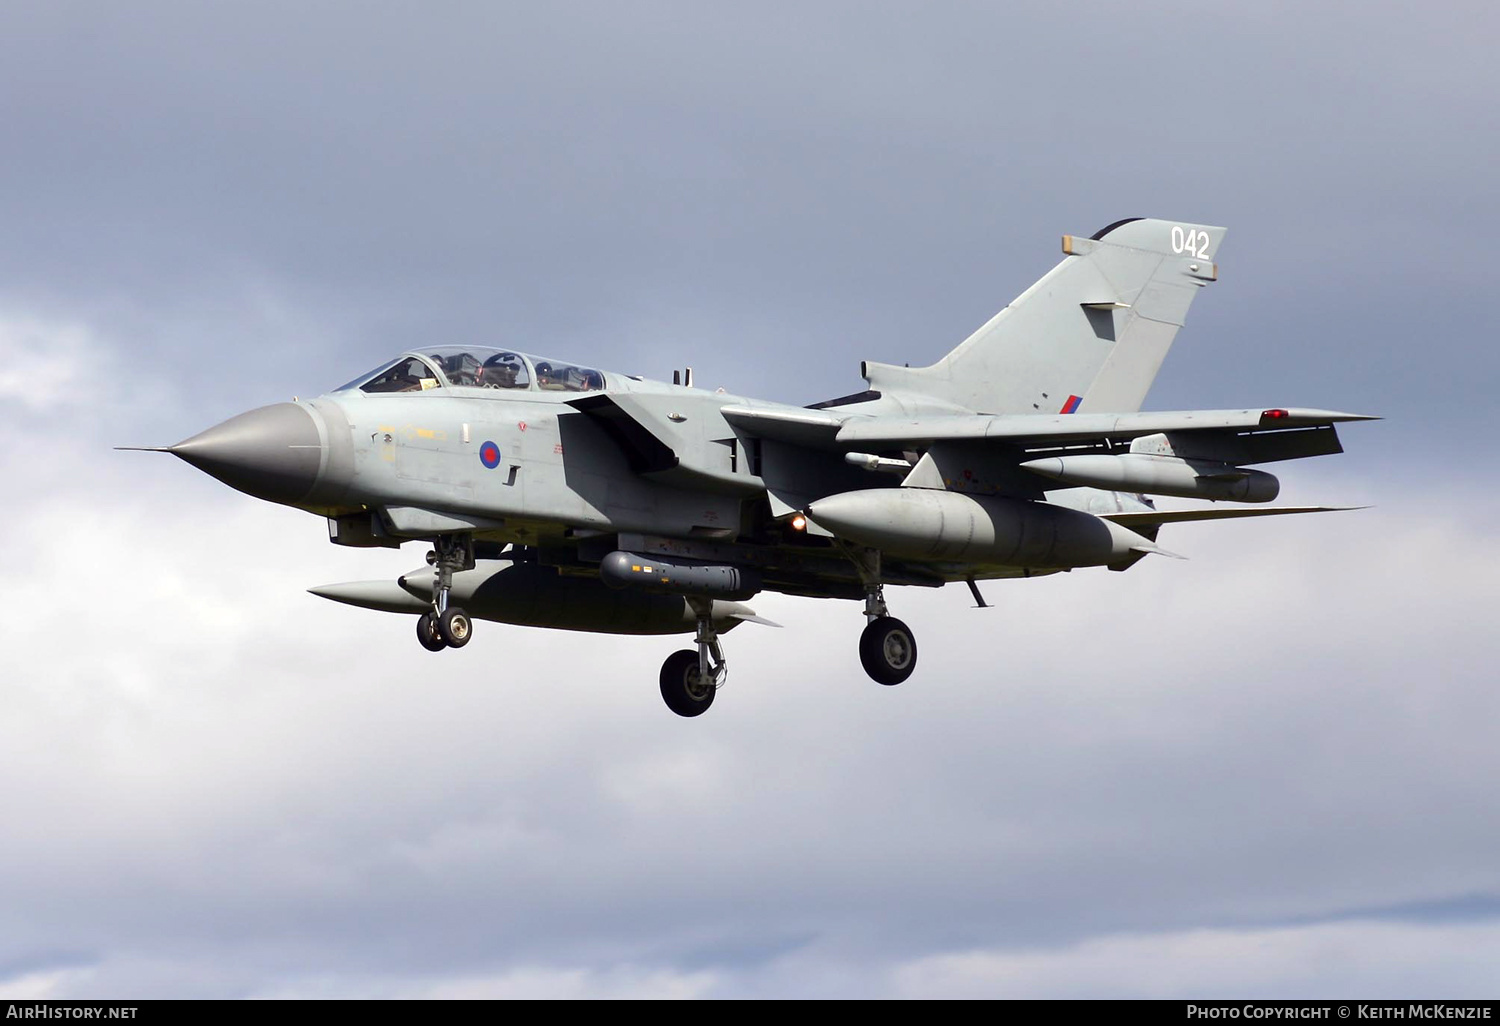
(752, 618)
(387, 596)
(1155, 549)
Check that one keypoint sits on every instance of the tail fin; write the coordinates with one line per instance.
(1090, 335)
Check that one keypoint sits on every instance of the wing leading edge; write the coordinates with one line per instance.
(1033, 429)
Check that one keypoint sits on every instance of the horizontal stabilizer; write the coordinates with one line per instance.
(1156, 518)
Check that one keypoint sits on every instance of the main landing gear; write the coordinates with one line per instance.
(887, 648)
(444, 626)
(689, 679)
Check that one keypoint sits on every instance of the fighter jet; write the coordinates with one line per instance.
(554, 494)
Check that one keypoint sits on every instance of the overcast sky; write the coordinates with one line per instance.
(1269, 770)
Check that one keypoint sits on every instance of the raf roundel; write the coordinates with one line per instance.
(489, 455)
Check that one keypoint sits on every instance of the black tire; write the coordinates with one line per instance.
(682, 687)
(455, 627)
(427, 633)
(888, 649)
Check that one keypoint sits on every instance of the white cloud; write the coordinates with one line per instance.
(1356, 960)
(43, 362)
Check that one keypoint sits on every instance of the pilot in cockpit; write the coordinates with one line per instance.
(500, 371)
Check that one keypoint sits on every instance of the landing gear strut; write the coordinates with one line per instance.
(689, 679)
(887, 648)
(444, 626)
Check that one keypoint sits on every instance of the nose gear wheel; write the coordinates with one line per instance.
(455, 627)
(427, 633)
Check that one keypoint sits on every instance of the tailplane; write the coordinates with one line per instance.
(1089, 336)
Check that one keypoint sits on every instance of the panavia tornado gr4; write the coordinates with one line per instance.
(553, 494)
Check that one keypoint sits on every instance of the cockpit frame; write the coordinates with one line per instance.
(464, 369)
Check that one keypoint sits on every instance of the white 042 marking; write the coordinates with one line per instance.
(1185, 240)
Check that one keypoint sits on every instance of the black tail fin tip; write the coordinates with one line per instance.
(1102, 232)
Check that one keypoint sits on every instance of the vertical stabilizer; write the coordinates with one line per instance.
(1090, 336)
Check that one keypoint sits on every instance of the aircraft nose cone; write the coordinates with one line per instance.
(272, 453)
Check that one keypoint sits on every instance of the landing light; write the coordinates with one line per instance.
(799, 522)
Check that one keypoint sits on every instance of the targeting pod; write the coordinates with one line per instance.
(654, 574)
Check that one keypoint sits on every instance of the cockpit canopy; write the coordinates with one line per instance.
(467, 367)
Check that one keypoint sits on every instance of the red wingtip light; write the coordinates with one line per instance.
(1274, 415)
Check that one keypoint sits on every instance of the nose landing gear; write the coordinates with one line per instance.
(445, 626)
